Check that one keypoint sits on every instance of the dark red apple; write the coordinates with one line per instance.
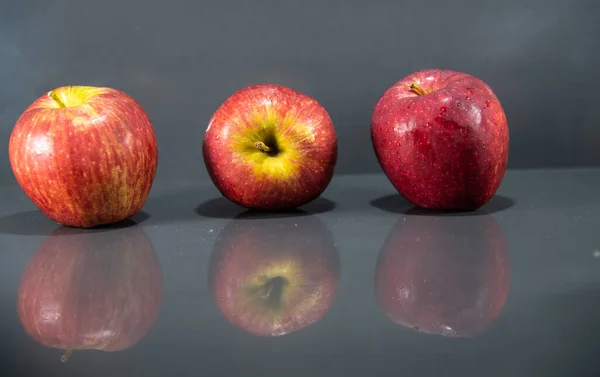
(269, 147)
(446, 276)
(91, 291)
(272, 277)
(85, 156)
(441, 137)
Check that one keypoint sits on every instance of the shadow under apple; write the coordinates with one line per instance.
(34, 222)
(223, 208)
(396, 203)
(443, 275)
(273, 276)
(91, 291)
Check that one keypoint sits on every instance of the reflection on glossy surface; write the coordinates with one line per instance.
(91, 290)
(447, 276)
(274, 276)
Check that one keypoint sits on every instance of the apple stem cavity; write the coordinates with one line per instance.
(272, 291)
(56, 99)
(268, 289)
(65, 357)
(262, 146)
(416, 88)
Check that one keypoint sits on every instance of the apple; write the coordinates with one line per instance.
(91, 290)
(270, 147)
(441, 138)
(445, 276)
(85, 156)
(271, 277)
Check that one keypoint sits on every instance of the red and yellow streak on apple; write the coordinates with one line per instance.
(85, 155)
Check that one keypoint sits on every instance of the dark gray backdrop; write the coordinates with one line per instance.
(180, 59)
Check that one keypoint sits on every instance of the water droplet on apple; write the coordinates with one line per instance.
(448, 331)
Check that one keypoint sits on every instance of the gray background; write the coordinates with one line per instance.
(180, 59)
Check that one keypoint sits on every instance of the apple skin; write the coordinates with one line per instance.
(91, 291)
(296, 128)
(251, 257)
(91, 162)
(444, 276)
(446, 149)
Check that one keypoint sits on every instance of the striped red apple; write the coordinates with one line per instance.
(91, 290)
(85, 156)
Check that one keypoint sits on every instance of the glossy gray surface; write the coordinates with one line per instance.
(511, 290)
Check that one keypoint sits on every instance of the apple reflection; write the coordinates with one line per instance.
(274, 276)
(444, 275)
(91, 289)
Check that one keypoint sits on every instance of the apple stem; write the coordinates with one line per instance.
(56, 99)
(262, 146)
(65, 357)
(416, 88)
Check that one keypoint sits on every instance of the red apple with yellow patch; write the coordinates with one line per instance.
(89, 290)
(271, 277)
(270, 147)
(85, 156)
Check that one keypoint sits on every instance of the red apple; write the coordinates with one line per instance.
(441, 138)
(85, 156)
(91, 291)
(271, 277)
(269, 147)
(445, 276)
